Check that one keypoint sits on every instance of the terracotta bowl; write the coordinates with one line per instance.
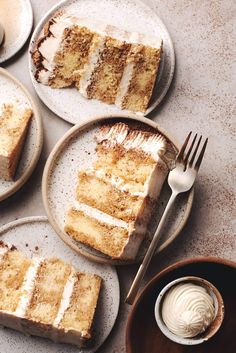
(143, 334)
(218, 315)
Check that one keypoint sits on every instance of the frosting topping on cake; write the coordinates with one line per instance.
(153, 144)
(187, 310)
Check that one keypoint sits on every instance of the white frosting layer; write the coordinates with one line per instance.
(187, 310)
(66, 296)
(27, 287)
(100, 216)
(93, 59)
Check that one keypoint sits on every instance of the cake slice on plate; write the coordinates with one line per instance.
(14, 122)
(103, 62)
(116, 198)
(46, 297)
(61, 51)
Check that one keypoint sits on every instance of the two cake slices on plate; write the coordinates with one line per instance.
(46, 297)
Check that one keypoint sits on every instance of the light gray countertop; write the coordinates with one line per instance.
(202, 99)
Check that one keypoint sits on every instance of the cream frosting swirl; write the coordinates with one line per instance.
(187, 309)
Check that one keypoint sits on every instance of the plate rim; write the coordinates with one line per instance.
(38, 144)
(7, 226)
(24, 220)
(160, 275)
(27, 33)
(58, 148)
(156, 103)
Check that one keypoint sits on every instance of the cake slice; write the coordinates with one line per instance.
(106, 76)
(107, 234)
(116, 198)
(139, 77)
(46, 297)
(61, 51)
(103, 193)
(103, 62)
(14, 122)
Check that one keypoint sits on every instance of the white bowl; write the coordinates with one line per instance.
(214, 326)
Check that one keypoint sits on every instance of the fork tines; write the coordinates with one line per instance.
(181, 157)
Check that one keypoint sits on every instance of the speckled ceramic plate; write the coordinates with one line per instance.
(132, 15)
(11, 90)
(16, 17)
(76, 150)
(35, 237)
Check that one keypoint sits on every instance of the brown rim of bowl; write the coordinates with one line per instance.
(168, 269)
(38, 144)
(71, 133)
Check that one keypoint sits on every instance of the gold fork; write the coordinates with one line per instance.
(180, 179)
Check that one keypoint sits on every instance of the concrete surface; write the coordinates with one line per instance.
(202, 99)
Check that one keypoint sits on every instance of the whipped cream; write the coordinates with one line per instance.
(66, 297)
(101, 216)
(28, 287)
(187, 310)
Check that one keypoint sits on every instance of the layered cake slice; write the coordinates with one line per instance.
(102, 61)
(61, 51)
(115, 199)
(46, 297)
(106, 76)
(138, 79)
(14, 122)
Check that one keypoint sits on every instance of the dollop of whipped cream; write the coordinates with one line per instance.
(187, 310)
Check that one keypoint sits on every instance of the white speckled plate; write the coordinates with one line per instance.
(132, 15)
(11, 90)
(16, 17)
(76, 150)
(35, 237)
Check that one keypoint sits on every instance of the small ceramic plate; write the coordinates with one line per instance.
(143, 334)
(35, 237)
(75, 151)
(11, 90)
(132, 15)
(16, 17)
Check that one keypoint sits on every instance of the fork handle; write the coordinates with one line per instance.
(152, 247)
